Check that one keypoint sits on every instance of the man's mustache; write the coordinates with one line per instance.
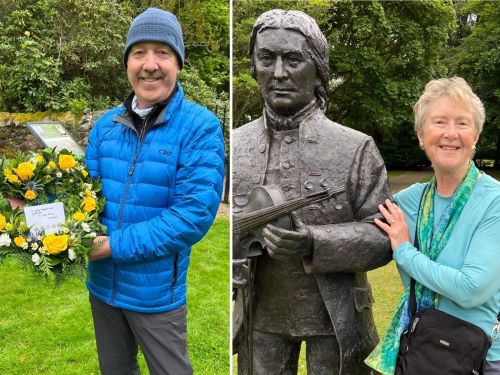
(150, 76)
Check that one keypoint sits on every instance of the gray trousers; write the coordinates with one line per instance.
(279, 355)
(161, 336)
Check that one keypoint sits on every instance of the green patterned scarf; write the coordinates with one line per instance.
(431, 242)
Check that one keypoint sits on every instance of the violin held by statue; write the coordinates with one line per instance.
(266, 204)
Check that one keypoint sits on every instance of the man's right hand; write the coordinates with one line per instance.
(16, 203)
(100, 248)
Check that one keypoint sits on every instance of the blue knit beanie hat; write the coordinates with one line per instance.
(156, 25)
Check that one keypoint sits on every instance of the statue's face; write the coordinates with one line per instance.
(285, 71)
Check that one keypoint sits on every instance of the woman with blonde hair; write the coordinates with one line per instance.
(457, 220)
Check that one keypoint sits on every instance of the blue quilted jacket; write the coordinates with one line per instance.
(162, 195)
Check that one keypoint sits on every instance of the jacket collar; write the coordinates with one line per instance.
(167, 109)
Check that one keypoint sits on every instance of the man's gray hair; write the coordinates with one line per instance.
(317, 45)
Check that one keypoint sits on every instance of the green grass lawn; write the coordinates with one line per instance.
(387, 289)
(48, 330)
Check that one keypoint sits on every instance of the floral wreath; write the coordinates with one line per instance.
(48, 177)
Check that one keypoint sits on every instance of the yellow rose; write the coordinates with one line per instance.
(25, 171)
(13, 179)
(52, 165)
(2, 221)
(30, 195)
(19, 241)
(66, 162)
(55, 244)
(40, 159)
(85, 173)
(79, 216)
(89, 204)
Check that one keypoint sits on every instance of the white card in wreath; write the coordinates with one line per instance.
(46, 218)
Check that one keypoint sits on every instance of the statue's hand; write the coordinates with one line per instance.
(284, 244)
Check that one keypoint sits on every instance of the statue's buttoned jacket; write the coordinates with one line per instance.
(346, 242)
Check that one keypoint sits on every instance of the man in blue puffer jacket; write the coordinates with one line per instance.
(160, 161)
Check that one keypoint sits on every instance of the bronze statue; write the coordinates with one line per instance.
(309, 279)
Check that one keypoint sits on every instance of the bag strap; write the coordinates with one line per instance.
(412, 305)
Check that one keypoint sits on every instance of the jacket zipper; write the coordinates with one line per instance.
(126, 190)
(131, 172)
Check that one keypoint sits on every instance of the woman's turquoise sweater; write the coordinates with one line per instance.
(466, 274)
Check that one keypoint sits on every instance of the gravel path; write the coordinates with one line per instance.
(223, 210)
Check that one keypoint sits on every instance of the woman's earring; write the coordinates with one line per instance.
(421, 145)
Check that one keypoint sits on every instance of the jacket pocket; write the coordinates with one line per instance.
(363, 299)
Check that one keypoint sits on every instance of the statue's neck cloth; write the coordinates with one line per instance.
(278, 122)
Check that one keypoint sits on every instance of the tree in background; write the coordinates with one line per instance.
(476, 57)
(383, 54)
(67, 54)
(59, 55)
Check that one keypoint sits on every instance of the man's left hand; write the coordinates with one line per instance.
(100, 248)
(284, 244)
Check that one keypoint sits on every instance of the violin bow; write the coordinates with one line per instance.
(261, 217)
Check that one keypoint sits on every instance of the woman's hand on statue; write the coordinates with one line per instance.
(395, 226)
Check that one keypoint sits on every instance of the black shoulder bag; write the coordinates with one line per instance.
(439, 343)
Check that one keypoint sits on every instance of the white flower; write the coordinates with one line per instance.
(25, 245)
(86, 227)
(71, 254)
(81, 194)
(33, 160)
(93, 234)
(34, 246)
(5, 240)
(58, 174)
(88, 186)
(43, 250)
(35, 258)
(64, 230)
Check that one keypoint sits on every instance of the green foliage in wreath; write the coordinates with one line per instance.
(32, 179)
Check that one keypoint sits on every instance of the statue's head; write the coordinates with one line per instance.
(289, 60)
